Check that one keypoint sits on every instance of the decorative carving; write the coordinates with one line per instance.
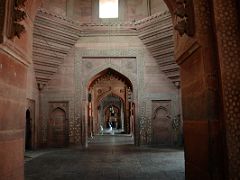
(2, 17)
(19, 15)
(18, 29)
(181, 27)
(161, 122)
(20, 3)
(176, 122)
(155, 42)
(40, 86)
(15, 16)
(181, 11)
(185, 22)
(58, 128)
(100, 91)
(228, 29)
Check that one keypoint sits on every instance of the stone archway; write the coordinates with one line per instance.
(113, 102)
(107, 114)
(109, 83)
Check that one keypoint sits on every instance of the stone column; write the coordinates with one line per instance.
(202, 123)
(228, 42)
(15, 58)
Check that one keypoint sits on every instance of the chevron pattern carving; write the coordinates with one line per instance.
(156, 32)
(53, 38)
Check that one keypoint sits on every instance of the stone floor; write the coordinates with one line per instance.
(107, 158)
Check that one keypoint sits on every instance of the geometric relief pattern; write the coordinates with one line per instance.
(51, 101)
(144, 129)
(57, 128)
(228, 41)
(161, 123)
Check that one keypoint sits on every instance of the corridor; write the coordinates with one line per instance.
(107, 158)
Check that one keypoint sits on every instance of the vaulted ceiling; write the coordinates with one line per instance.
(54, 36)
(156, 32)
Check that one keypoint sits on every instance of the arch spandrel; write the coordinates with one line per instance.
(124, 73)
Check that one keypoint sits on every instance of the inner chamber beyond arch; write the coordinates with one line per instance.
(110, 103)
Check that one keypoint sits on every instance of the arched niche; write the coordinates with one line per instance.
(161, 126)
(112, 109)
(57, 128)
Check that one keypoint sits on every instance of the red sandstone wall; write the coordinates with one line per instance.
(62, 87)
(14, 60)
(32, 104)
(12, 115)
(160, 92)
(155, 80)
(63, 80)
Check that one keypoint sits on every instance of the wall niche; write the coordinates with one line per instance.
(58, 123)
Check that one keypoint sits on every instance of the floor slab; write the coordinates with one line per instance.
(108, 157)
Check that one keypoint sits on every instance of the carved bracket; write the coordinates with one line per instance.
(185, 17)
(20, 3)
(15, 16)
(2, 17)
(40, 86)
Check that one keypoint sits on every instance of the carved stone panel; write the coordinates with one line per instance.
(185, 17)
(161, 123)
(58, 125)
(16, 13)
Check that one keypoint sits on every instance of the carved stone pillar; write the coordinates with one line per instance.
(228, 41)
(202, 123)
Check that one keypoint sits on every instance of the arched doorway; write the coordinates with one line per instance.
(112, 116)
(112, 113)
(110, 103)
(28, 131)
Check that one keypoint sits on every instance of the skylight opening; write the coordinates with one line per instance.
(108, 8)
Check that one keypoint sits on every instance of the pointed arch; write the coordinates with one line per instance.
(112, 71)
